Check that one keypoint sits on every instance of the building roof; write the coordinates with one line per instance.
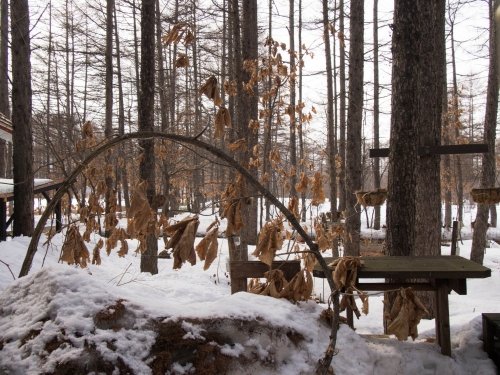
(5, 128)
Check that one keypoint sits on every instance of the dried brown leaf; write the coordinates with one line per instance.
(238, 145)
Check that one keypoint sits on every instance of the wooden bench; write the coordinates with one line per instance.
(440, 274)
(243, 269)
(491, 336)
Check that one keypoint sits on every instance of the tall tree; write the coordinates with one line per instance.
(329, 113)
(490, 120)
(401, 202)
(21, 119)
(4, 76)
(376, 111)
(149, 260)
(431, 78)
(291, 108)
(354, 121)
(108, 122)
(455, 115)
(342, 109)
(249, 111)
(121, 173)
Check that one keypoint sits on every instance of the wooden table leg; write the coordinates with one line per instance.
(443, 317)
(350, 317)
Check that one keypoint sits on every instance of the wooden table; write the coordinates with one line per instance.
(440, 274)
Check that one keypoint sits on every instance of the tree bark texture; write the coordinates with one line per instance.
(149, 260)
(4, 58)
(376, 111)
(402, 179)
(430, 81)
(488, 164)
(249, 112)
(21, 120)
(354, 124)
(4, 77)
(342, 110)
(332, 168)
(108, 126)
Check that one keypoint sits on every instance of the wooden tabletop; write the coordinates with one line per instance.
(429, 267)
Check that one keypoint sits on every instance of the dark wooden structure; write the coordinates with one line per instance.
(473, 148)
(440, 274)
(491, 337)
(244, 269)
(8, 196)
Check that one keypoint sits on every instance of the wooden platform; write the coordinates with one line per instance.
(7, 195)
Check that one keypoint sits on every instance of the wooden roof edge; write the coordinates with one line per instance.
(53, 185)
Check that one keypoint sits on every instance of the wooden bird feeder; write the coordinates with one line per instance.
(486, 195)
(371, 198)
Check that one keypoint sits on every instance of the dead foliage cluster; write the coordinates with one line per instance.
(270, 240)
(88, 138)
(298, 289)
(405, 315)
(73, 249)
(141, 218)
(233, 200)
(96, 253)
(207, 248)
(180, 32)
(345, 274)
(371, 198)
(327, 232)
(182, 236)
(238, 145)
(318, 194)
(222, 121)
(182, 61)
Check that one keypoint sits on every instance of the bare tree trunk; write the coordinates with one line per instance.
(376, 111)
(456, 125)
(4, 78)
(342, 110)
(446, 185)
(121, 175)
(332, 170)
(301, 123)
(266, 169)
(428, 188)
(354, 119)
(149, 260)
(108, 122)
(401, 202)
(198, 203)
(291, 109)
(21, 119)
(488, 164)
(248, 112)
(164, 108)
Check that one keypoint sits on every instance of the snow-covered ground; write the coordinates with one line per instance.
(59, 316)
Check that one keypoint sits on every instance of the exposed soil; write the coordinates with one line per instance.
(194, 346)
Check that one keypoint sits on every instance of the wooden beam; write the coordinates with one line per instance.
(248, 268)
(379, 152)
(474, 148)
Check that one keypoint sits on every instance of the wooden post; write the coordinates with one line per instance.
(3, 220)
(238, 284)
(454, 238)
(443, 317)
(58, 211)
